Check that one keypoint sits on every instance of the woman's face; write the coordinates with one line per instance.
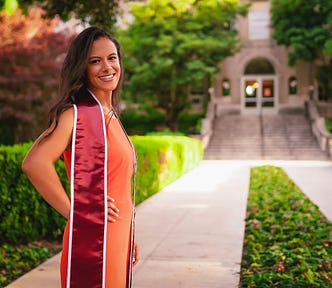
(103, 71)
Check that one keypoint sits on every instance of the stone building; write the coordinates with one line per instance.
(257, 79)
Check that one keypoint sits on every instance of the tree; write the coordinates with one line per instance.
(101, 13)
(173, 45)
(31, 55)
(305, 27)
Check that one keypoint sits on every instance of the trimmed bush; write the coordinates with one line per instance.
(26, 217)
(288, 242)
(163, 159)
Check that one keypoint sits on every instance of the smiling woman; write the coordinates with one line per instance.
(98, 242)
(103, 71)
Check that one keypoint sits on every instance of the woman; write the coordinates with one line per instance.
(98, 245)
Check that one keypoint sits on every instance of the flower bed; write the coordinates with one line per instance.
(288, 242)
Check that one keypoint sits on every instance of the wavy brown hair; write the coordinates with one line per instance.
(73, 81)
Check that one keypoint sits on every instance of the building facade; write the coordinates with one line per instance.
(257, 79)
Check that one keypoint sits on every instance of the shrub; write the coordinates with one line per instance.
(328, 124)
(190, 123)
(165, 132)
(147, 119)
(24, 215)
(288, 242)
(163, 159)
(139, 122)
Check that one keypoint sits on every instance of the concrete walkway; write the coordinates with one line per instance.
(191, 233)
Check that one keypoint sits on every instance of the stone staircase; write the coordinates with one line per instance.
(267, 137)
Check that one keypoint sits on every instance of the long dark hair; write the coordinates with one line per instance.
(73, 81)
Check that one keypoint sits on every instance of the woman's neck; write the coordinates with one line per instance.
(105, 99)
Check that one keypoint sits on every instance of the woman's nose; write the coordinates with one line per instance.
(106, 65)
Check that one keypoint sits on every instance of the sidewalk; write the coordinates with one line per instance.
(191, 233)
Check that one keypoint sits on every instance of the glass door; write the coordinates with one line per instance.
(259, 94)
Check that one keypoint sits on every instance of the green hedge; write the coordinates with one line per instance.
(288, 242)
(163, 159)
(26, 217)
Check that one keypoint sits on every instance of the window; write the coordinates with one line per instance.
(226, 87)
(259, 21)
(292, 85)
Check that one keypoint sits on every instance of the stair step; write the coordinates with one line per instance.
(282, 137)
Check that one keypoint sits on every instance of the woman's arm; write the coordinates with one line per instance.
(38, 164)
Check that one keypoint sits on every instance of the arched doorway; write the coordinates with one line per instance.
(259, 93)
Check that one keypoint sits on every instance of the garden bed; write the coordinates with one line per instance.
(19, 259)
(288, 242)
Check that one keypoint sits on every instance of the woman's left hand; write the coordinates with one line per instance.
(136, 254)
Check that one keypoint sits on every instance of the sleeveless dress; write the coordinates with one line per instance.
(120, 169)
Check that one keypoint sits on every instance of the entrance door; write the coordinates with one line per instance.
(259, 95)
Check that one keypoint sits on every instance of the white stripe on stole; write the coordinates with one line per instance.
(71, 196)
(105, 188)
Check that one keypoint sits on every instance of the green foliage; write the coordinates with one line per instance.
(139, 121)
(173, 45)
(288, 242)
(25, 216)
(165, 132)
(163, 159)
(101, 13)
(328, 124)
(324, 79)
(146, 120)
(17, 260)
(303, 25)
(190, 123)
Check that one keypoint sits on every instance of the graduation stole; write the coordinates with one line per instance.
(88, 213)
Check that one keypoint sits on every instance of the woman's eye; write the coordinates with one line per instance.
(95, 61)
(112, 58)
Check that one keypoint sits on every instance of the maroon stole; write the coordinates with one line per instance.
(88, 218)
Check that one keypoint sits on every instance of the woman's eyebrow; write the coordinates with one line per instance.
(111, 54)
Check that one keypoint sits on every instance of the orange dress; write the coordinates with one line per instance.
(119, 172)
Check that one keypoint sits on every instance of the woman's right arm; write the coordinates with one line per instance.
(38, 164)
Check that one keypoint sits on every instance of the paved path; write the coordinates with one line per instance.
(315, 179)
(191, 233)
